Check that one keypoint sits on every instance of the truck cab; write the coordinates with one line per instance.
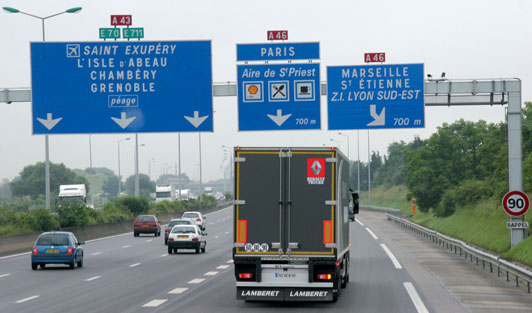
(72, 193)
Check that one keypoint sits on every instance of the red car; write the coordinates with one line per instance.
(147, 224)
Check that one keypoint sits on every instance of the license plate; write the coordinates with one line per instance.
(145, 225)
(182, 236)
(52, 250)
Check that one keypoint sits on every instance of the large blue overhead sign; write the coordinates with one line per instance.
(116, 87)
(277, 51)
(278, 96)
(376, 96)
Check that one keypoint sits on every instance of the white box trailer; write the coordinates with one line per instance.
(291, 223)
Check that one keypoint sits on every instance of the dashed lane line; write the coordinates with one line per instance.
(96, 253)
(149, 240)
(210, 273)
(93, 278)
(134, 265)
(177, 291)
(4, 275)
(222, 267)
(392, 257)
(196, 281)
(126, 246)
(361, 224)
(230, 261)
(27, 299)
(372, 234)
(416, 299)
(163, 255)
(154, 303)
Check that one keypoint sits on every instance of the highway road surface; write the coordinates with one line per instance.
(392, 270)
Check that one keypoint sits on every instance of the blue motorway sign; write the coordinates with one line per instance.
(376, 96)
(277, 51)
(117, 87)
(278, 96)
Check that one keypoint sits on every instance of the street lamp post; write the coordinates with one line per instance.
(231, 172)
(119, 177)
(348, 157)
(200, 176)
(46, 144)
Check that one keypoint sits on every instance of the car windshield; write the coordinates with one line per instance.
(145, 218)
(53, 240)
(191, 215)
(183, 230)
(180, 222)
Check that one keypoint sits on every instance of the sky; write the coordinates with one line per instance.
(474, 39)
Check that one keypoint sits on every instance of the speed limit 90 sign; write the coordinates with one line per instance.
(515, 203)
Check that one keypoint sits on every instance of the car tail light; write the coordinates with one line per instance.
(170, 239)
(195, 239)
(245, 275)
(35, 251)
(69, 251)
(198, 219)
(324, 276)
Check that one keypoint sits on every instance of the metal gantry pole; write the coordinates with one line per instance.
(200, 176)
(358, 162)
(369, 172)
(137, 187)
(179, 163)
(119, 177)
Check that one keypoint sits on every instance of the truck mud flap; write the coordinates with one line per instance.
(284, 294)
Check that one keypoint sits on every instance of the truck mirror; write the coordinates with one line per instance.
(355, 202)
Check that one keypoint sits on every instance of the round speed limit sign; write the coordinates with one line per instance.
(515, 203)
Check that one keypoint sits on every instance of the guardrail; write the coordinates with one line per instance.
(470, 253)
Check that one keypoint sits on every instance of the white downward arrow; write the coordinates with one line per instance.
(196, 120)
(123, 121)
(379, 120)
(49, 122)
(279, 119)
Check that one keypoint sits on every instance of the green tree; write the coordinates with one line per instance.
(110, 186)
(32, 180)
(146, 186)
(165, 178)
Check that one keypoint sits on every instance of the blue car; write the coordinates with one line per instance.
(57, 248)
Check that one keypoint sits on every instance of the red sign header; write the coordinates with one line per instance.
(277, 35)
(374, 57)
(121, 20)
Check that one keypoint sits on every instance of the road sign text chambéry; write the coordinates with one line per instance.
(110, 87)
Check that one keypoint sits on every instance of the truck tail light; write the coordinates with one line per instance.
(245, 275)
(324, 276)
(69, 251)
(35, 251)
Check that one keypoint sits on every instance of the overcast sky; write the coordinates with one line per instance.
(466, 39)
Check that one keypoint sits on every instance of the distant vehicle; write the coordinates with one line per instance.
(291, 224)
(173, 223)
(183, 195)
(196, 218)
(187, 237)
(72, 193)
(208, 191)
(57, 248)
(219, 196)
(163, 193)
(147, 224)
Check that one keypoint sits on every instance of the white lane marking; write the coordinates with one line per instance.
(136, 264)
(163, 255)
(177, 291)
(210, 273)
(227, 232)
(392, 257)
(361, 224)
(211, 223)
(93, 278)
(149, 240)
(416, 299)
(196, 281)
(229, 207)
(216, 236)
(126, 246)
(109, 237)
(14, 255)
(27, 299)
(222, 267)
(230, 261)
(154, 303)
(96, 253)
(4, 275)
(372, 234)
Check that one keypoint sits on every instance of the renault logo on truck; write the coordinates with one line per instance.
(316, 171)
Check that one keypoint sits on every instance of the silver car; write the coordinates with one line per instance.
(196, 218)
(187, 237)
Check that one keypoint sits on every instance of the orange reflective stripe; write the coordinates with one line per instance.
(327, 232)
(242, 231)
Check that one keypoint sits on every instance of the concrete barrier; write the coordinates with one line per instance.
(24, 242)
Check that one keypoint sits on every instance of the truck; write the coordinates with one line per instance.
(164, 193)
(71, 193)
(291, 223)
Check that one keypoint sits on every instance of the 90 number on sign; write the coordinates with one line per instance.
(515, 203)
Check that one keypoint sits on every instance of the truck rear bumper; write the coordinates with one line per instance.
(269, 292)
